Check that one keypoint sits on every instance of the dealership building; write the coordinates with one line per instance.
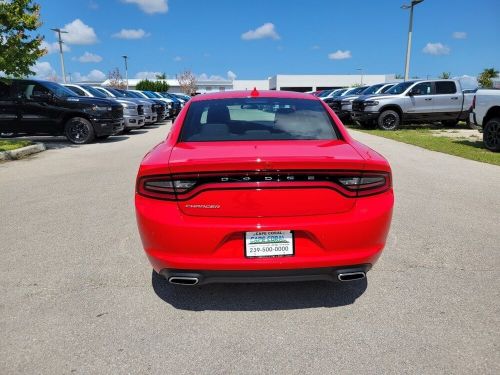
(289, 82)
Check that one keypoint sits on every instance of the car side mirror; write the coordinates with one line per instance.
(411, 93)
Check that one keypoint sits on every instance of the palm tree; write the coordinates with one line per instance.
(485, 78)
(445, 75)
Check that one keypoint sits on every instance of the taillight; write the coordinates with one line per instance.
(162, 187)
(367, 183)
(182, 187)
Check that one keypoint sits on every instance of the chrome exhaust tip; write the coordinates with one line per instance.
(182, 280)
(351, 276)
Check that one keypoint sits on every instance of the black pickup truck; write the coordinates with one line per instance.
(34, 107)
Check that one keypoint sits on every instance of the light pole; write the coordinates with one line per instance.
(361, 73)
(125, 57)
(59, 32)
(410, 31)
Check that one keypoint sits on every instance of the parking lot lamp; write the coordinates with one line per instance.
(59, 32)
(410, 31)
(361, 73)
(125, 57)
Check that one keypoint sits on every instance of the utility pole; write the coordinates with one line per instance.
(125, 57)
(410, 32)
(59, 32)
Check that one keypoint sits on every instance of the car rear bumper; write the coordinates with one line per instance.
(333, 274)
(174, 241)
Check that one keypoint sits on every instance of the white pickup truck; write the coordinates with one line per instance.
(486, 114)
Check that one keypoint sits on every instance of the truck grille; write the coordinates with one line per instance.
(117, 112)
(140, 110)
(335, 105)
(358, 106)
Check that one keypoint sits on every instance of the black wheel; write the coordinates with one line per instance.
(491, 134)
(370, 124)
(449, 123)
(126, 130)
(389, 120)
(79, 131)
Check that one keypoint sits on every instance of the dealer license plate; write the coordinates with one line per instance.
(269, 244)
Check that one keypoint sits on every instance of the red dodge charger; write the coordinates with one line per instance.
(253, 186)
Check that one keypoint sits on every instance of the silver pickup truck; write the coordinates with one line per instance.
(486, 114)
(413, 102)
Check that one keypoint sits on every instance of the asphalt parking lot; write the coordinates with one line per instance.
(78, 295)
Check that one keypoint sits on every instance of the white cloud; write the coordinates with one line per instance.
(131, 34)
(340, 55)
(150, 6)
(177, 58)
(231, 75)
(436, 49)
(95, 75)
(79, 33)
(147, 75)
(213, 77)
(265, 31)
(43, 70)
(459, 35)
(88, 57)
(54, 47)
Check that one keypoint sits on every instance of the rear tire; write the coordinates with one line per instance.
(449, 123)
(491, 134)
(79, 131)
(389, 120)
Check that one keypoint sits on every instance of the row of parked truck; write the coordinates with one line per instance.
(389, 105)
(80, 112)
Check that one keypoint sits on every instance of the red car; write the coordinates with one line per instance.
(262, 186)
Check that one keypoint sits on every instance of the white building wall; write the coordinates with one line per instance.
(314, 81)
(249, 84)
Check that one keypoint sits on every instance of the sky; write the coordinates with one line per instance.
(257, 39)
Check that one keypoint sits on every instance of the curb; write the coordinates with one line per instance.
(22, 152)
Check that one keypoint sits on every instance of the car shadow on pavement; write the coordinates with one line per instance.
(259, 296)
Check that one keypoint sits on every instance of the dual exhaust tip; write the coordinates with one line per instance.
(191, 280)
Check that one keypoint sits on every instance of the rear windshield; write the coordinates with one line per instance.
(258, 119)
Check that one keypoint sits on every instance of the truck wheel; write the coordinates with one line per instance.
(491, 134)
(79, 131)
(449, 123)
(389, 120)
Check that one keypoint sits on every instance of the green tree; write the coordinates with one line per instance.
(19, 49)
(161, 76)
(157, 85)
(445, 75)
(485, 79)
(398, 76)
